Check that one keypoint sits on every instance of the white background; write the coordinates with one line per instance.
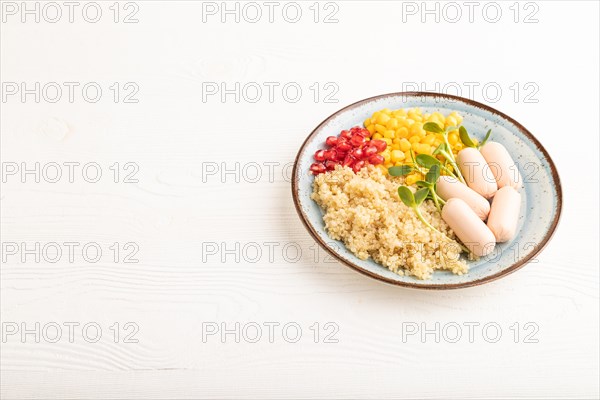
(176, 208)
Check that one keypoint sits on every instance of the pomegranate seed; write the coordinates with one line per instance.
(344, 146)
(330, 155)
(349, 161)
(330, 165)
(320, 155)
(340, 155)
(331, 141)
(370, 150)
(358, 165)
(358, 153)
(376, 159)
(346, 135)
(380, 144)
(357, 140)
(363, 132)
(317, 168)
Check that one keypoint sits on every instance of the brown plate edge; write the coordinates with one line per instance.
(507, 271)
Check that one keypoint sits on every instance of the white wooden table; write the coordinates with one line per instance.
(207, 285)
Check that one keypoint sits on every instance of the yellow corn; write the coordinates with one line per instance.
(367, 122)
(390, 134)
(402, 132)
(395, 146)
(412, 178)
(387, 140)
(429, 139)
(404, 145)
(414, 139)
(386, 156)
(397, 155)
(371, 129)
(377, 135)
(383, 119)
(453, 138)
(380, 128)
(392, 124)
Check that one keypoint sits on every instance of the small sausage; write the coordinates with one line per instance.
(476, 172)
(468, 227)
(449, 187)
(504, 214)
(502, 165)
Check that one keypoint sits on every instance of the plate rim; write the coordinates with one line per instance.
(516, 266)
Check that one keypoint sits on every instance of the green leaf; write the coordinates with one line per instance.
(433, 174)
(464, 137)
(420, 195)
(422, 184)
(432, 127)
(406, 195)
(427, 161)
(485, 139)
(400, 170)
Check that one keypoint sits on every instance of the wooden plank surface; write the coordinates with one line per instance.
(205, 244)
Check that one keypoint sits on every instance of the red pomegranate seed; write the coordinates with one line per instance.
(331, 141)
(317, 168)
(330, 165)
(376, 159)
(358, 165)
(363, 132)
(346, 135)
(358, 153)
(357, 140)
(349, 161)
(380, 144)
(320, 155)
(340, 155)
(330, 155)
(370, 150)
(343, 146)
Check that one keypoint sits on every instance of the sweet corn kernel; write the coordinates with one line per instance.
(380, 128)
(453, 138)
(383, 119)
(425, 149)
(402, 132)
(397, 155)
(386, 156)
(375, 115)
(412, 178)
(383, 169)
(414, 139)
(390, 134)
(395, 146)
(396, 140)
(401, 111)
(451, 121)
(386, 111)
(428, 139)
(404, 145)
(371, 129)
(392, 124)
(387, 140)
(407, 155)
(388, 165)
(377, 135)
(367, 122)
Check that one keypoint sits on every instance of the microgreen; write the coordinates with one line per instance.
(400, 170)
(485, 139)
(414, 201)
(465, 138)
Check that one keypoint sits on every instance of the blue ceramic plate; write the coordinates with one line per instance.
(541, 194)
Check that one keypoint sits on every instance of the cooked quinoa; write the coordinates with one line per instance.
(364, 211)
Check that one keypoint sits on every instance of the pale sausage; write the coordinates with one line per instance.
(502, 165)
(476, 172)
(449, 187)
(504, 214)
(467, 226)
